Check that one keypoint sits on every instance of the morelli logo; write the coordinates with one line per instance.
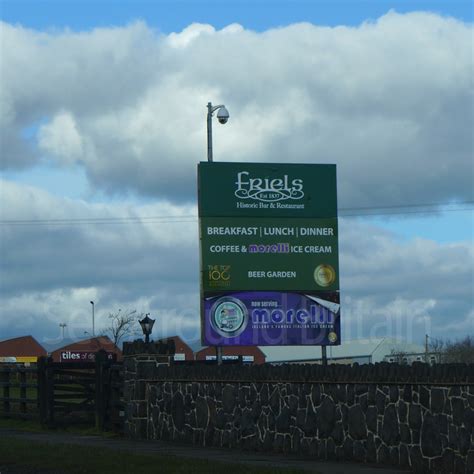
(229, 316)
(268, 190)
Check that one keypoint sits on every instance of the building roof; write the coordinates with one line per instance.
(177, 340)
(196, 345)
(54, 344)
(25, 346)
(255, 349)
(375, 348)
(93, 344)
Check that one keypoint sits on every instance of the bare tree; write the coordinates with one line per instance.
(460, 350)
(122, 324)
(437, 348)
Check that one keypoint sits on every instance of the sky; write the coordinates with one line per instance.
(103, 116)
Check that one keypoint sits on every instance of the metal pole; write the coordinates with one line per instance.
(219, 355)
(426, 348)
(209, 132)
(93, 318)
(324, 355)
(209, 159)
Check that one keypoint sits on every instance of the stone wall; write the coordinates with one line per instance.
(416, 417)
(140, 363)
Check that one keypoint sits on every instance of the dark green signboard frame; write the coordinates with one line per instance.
(269, 239)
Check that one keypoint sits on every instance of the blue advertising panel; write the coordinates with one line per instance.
(269, 318)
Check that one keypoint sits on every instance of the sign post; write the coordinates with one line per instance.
(269, 254)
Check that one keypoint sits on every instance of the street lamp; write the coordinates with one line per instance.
(62, 326)
(93, 319)
(147, 325)
(222, 116)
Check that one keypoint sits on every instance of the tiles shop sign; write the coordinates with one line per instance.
(269, 254)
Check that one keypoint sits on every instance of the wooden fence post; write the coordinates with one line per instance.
(100, 392)
(5, 378)
(42, 392)
(22, 390)
(49, 383)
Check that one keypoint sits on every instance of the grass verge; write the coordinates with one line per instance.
(80, 459)
(19, 424)
(33, 426)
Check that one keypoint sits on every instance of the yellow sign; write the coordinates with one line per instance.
(27, 359)
(19, 360)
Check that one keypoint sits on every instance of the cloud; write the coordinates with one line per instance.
(61, 137)
(389, 101)
(404, 288)
(189, 34)
(146, 258)
(110, 247)
(120, 256)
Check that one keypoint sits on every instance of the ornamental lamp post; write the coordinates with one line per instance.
(147, 326)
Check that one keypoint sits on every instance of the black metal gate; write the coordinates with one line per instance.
(66, 393)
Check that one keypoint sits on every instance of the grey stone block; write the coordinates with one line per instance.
(348, 447)
(430, 437)
(414, 417)
(357, 423)
(390, 427)
(202, 412)
(326, 417)
(283, 421)
(310, 426)
(402, 411)
(228, 398)
(177, 411)
(457, 405)
(437, 400)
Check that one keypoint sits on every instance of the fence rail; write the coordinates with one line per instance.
(58, 393)
(19, 396)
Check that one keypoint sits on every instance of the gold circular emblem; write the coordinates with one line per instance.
(324, 275)
(332, 336)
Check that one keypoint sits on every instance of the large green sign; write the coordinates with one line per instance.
(267, 190)
(268, 227)
(269, 254)
(251, 253)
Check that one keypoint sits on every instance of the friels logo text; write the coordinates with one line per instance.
(266, 189)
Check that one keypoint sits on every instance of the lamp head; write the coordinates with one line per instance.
(223, 115)
(147, 325)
